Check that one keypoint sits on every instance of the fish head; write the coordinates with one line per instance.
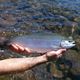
(67, 44)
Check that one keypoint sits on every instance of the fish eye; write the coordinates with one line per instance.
(69, 41)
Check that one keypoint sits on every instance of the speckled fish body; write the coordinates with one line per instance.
(42, 43)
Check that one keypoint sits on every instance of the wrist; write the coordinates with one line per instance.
(42, 58)
(45, 57)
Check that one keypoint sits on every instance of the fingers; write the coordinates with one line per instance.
(27, 50)
(60, 51)
(14, 46)
(17, 48)
(60, 55)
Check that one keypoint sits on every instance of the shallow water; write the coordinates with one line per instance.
(37, 15)
(22, 17)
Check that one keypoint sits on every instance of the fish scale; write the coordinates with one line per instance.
(42, 43)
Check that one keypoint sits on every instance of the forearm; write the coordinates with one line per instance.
(14, 65)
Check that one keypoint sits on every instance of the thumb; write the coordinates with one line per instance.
(60, 51)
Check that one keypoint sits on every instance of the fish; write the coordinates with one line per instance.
(42, 42)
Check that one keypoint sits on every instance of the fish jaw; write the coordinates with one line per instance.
(67, 44)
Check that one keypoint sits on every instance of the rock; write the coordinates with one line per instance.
(74, 57)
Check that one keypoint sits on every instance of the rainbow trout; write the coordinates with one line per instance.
(42, 43)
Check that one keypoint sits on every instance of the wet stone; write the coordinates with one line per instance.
(20, 17)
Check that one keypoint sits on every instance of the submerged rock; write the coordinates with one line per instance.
(20, 17)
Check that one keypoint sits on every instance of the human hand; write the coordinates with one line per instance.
(53, 55)
(19, 49)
